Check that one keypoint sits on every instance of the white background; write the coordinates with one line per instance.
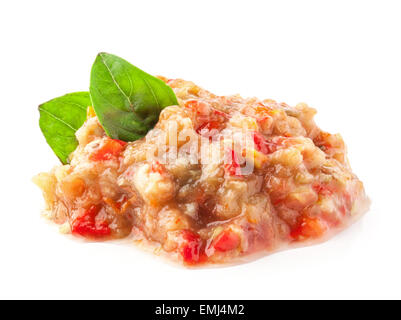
(341, 57)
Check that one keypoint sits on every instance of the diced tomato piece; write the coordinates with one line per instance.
(226, 241)
(308, 228)
(322, 188)
(208, 126)
(87, 226)
(111, 148)
(190, 247)
(233, 168)
(207, 118)
(158, 167)
(198, 107)
(262, 145)
(218, 113)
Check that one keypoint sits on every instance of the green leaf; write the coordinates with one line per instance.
(127, 100)
(60, 118)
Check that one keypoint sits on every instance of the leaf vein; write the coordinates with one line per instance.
(153, 93)
(59, 119)
(114, 80)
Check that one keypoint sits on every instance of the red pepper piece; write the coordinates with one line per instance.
(233, 168)
(190, 246)
(111, 148)
(262, 145)
(87, 226)
(308, 228)
(226, 241)
(208, 126)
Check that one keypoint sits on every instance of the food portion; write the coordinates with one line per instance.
(206, 179)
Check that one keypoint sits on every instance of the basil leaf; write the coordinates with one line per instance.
(127, 100)
(60, 118)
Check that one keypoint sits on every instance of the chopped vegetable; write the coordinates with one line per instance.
(226, 241)
(308, 228)
(233, 168)
(190, 246)
(262, 145)
(207, 118)
(110, 149)
(87, 226)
